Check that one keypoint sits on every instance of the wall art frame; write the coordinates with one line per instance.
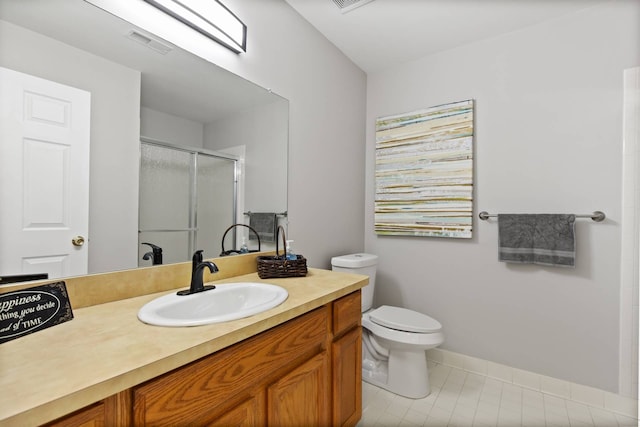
(424, 172)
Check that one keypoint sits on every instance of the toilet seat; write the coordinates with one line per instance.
(395, 339)
(402, 319)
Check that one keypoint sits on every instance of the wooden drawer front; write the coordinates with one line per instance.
(113, 411)
(91, 416)
(347, 312)
(206, 388)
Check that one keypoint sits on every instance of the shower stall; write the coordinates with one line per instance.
(188, 197)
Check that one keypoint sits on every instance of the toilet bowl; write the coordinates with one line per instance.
(394, 339)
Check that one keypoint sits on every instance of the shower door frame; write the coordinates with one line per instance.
(192, 228)
(630, 231)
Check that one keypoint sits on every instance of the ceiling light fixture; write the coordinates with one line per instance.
(208, 17)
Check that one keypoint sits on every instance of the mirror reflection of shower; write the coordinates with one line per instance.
(188, 197)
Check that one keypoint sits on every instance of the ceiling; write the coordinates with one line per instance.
(376, 35)
(383, 33)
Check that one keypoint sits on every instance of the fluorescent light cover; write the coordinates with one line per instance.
(210, 18)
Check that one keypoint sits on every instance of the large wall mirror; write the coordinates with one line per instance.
(149, 96)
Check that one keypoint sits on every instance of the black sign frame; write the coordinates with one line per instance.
(30, 310)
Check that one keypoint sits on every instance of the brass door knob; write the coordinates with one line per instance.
(78, 241)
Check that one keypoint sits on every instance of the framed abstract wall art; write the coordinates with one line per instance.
(424, 172)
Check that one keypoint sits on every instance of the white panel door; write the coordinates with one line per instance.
(44, 176)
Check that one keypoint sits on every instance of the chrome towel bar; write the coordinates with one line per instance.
(249, 213)
(597, 216)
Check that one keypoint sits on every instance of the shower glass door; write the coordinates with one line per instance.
(216, 196)
(187, 200)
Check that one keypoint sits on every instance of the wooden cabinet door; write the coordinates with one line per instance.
(301, 397)
(347, 377)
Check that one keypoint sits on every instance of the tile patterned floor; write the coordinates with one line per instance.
(463, 399)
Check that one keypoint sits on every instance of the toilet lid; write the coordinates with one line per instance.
(404, 319)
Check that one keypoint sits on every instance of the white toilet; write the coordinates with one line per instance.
(394, 339)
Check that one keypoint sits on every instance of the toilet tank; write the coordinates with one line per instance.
(359, 264)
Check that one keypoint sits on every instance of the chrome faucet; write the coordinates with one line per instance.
(197, 272)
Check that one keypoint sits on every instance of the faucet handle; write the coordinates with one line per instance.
(197, 257)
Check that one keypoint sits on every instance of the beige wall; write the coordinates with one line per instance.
(548, 138)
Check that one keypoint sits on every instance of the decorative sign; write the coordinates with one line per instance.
(30, 310)
(424, 172)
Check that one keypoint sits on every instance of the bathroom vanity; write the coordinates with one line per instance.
(296, 364)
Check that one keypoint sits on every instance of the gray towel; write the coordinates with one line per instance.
(265, 225)
(547, 239)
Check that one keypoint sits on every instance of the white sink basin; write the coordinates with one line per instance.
(228, 301)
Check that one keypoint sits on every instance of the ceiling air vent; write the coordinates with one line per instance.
(348, 5)
(149, 42)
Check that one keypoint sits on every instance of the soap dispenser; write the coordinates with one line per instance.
(244, 249)
(290, 255)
